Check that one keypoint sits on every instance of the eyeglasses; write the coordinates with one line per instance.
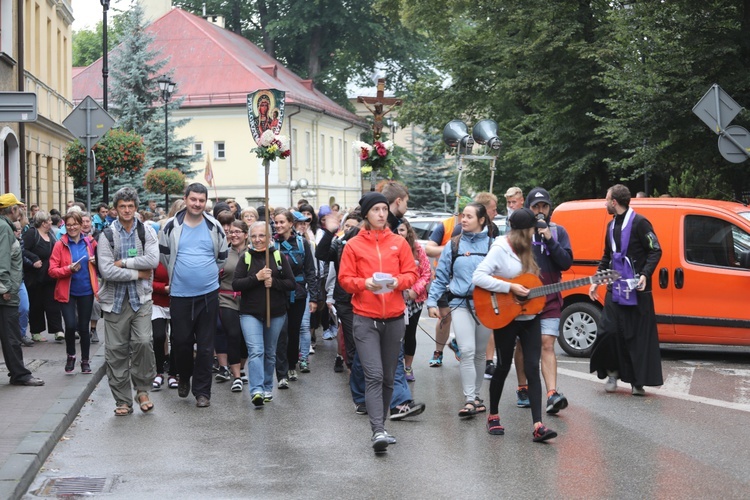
(75, 224)
(235, 233)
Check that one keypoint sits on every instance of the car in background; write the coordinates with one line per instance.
(425, 222)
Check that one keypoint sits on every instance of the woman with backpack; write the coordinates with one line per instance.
(252, 276)
(457, 264)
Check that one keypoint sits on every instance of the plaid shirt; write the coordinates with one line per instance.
(127, 241)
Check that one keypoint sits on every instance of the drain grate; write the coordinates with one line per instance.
(72, 486)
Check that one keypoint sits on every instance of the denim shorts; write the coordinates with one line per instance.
(551, 326)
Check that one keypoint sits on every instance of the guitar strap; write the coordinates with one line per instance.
(621, 292)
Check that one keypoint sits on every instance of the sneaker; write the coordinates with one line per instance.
(312, 349)
(611, 384)
(523, 398)
(70, 364)
(78, 337)
(257, 400)
(338, 364)
(408, 409)
(489, 371)
(304, 367)
(215, 367)
(556, 402)
(243, 377)
(391, 439)
(409, 374)
(85, 366)
(292, 375)
(283, 384)
(542, 433)
(360, 409)
(379, 442)
(183, 387)
(60, 337)
(437, 359)
(37, 337)
(494, 427)
(638, 390)
(237, 385)
(94, 336)
(267, 397)
(27, 342)
(453, 345)
(223, 375)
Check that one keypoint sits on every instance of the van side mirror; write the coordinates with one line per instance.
(745, 259)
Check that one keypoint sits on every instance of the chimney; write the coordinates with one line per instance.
(271, 69)
(308, 84)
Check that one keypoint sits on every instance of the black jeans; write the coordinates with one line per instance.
(236, 347)
(42, 302)
(159, 331)
(194, 322)
(346, 316)
(10, 340)
(410, 335)
(80, 306)
(287, 350)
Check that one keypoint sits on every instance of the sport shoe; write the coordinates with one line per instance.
(304, 367)
(60, 337)
(391, 439)
(453, 345)
(85, 366)
(360, 409)
(312, 349)
(267, 397)
(257, 400)
(542, 433)
(408, 409)
(556, 402)
(523, 398)
(494, 427)
(70, 364)
(223, 375)
(215, 367)
(409, 374)
(611, 384)
(27, 342)
(283, 384)
(638, 390)
(338, 364)
(490, 370)
(237, 385)
(37, 337)
(379, 442)
(94, 336)
(292, 375)
(183, 387)
(437, 359)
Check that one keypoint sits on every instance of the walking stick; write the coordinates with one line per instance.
(267, 168)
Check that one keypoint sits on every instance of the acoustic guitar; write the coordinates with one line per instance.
(495, 310)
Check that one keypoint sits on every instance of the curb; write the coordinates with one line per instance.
(19, 471)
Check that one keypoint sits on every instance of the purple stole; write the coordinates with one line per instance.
(622, 292)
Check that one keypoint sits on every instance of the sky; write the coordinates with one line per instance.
(89, 12)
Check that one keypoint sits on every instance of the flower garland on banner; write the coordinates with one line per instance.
(272, 147)
(377, 158)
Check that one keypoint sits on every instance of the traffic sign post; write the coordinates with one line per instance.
(717, 110)
(445, 188)
(89, 122)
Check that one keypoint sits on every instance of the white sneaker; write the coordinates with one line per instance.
(379, 442)
(611, 384)
(638, 390)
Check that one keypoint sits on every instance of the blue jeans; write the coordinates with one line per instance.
(23, 309)
(401, 391)
(261, 348)
(304, 333)
(80, 307)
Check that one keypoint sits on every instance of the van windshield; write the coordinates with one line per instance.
(746, 215)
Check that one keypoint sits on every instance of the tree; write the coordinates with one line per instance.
(164, 181)
(425, 176)
(87, 44)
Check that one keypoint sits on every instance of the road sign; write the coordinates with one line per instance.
(717, 109)
(445, 188)
(734, 144)
(89, 120)
(17, 107)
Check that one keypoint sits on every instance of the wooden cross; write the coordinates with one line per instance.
(378, 102)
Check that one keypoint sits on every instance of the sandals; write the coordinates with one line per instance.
(123, 410)
(479, 405)
(145, 404)
(469, 410)
(158, 382)
(237, 385)
(172, 382)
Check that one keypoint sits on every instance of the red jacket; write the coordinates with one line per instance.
(161, 281)
(377, 251)
(59, 270)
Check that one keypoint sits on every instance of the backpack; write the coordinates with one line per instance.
(107, 232)
(454, 253)
(291, 252)
(276, 257)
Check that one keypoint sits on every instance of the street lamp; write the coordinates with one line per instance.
(105, 68)
(295, 185)
(166, 86)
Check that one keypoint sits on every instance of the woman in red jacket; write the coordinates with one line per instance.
(159, 322)
(374, 264)
(72, 265)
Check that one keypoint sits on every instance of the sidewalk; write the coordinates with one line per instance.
(33, 419)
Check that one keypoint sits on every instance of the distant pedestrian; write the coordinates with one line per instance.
(193, 247)
(11, 277)
(126, 263)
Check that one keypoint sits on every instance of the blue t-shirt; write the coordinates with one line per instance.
(195, 270)
(80, 281)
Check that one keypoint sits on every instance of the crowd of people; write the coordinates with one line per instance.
(218, 294)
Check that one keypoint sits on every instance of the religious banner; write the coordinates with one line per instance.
(265, 111)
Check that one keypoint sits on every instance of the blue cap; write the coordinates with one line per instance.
(300, 217)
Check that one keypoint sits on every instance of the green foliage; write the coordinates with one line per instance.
(425, 175)
(164, 181)
(118, 152)
(88, 44)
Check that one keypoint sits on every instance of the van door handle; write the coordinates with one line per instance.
(679, 277)
(663, 277)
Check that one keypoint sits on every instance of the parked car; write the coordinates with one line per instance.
(701, 282)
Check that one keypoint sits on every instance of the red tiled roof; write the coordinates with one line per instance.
(215, 67)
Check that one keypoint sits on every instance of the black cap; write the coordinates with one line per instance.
(522, 219)
(537, 195)
(369, 200)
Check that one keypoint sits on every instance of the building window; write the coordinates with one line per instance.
(6, 27)
(308, 151)
(219, 151)
(198, 148)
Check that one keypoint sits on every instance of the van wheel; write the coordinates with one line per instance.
(579, 325)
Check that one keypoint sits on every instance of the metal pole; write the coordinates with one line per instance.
(89, 156)
(267, 168)
(105, 68)
(458, 183)
(166, 131)
(492, 174)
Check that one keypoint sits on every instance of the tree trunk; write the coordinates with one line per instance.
(268, 43)
(236, 20)
(313, 55)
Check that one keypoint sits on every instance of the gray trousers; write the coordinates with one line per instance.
(128, 351)
(378, 346)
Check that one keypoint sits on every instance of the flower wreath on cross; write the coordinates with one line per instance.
(272, 146)
(377, 158)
